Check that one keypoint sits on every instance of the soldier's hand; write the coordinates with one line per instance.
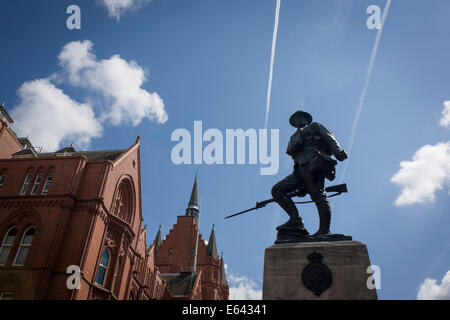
(341, 155)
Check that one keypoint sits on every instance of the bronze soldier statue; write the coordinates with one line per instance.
(311, 147)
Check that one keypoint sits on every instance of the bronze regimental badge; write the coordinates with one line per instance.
(316, 276)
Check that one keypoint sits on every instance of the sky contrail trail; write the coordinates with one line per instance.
(366, 85)
(274, 44)
(269, 88)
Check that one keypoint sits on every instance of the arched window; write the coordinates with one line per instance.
(48, 182)
(26, 183)
(123, 203)
(103, 268)
(7, 244)
(24, 247)
(37, 183)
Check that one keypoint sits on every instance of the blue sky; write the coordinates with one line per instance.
(209, 61)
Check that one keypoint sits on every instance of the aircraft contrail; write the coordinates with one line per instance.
(274, 44)
(269, 87)
(366, 85)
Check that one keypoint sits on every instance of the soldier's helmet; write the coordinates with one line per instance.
(295, 118)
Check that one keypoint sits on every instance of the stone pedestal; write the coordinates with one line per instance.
(317, 271)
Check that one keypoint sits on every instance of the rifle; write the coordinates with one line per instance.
(338, 189)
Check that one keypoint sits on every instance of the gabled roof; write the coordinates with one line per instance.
(25, 153)
(110, 155)
(92, 156)
(66, 149)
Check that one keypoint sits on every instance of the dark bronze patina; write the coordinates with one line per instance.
(337, 189)
(311, 148)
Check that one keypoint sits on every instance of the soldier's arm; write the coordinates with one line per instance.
(330, 141)
(293, 144)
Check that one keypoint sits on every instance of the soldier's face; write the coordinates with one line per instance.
(302, 122)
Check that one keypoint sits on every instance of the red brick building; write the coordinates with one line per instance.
(82, 209)
(191, 267)
(9, 143)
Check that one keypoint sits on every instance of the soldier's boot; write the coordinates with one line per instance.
(324, 220)
(294, 222)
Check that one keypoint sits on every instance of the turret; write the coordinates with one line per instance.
(157, 241)
(211, 251)
(223, 276)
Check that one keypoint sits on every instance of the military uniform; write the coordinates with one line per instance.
(311, 147)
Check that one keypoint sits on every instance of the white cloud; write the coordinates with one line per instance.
(430, 290)
(49, 116)
(427, 172)
(243, 288)
(118, 7)
(445, 120)
(118, 81)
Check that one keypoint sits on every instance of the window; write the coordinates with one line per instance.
(37, 183)
(6, 296)
(123, 203)
(26, 182)
(102, 268)
(47, 183)
(2, 179)
(24, 247)
(170, 252)
(7, 245)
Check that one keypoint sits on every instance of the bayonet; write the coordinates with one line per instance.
(337, 189)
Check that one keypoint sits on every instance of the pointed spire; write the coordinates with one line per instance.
(211, 251)
(158, 237)
(157, 241)
(223, 276)
(192, 209)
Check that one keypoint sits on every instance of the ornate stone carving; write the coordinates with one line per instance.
(111, 240)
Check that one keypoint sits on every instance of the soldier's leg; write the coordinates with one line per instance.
(315, 185)
(279, 193)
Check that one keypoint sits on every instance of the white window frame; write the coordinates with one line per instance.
(100, 265)
(47, 184)
(25, 184)
(37, 183)
(8, 245)
(21, 245)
